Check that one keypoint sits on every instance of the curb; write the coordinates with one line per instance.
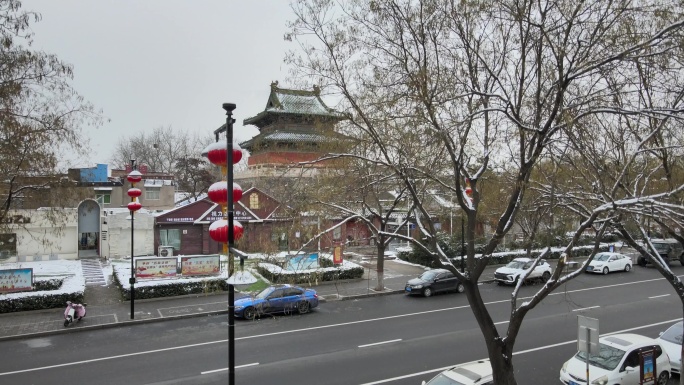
(67, 330)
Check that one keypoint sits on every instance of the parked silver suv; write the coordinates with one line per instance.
(669, 249)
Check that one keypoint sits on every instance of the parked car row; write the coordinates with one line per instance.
(622, 359)
(442, 280)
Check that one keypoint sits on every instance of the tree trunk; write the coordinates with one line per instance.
(380, 266)
(500, 354)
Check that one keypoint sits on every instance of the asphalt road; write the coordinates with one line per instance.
(391, 339)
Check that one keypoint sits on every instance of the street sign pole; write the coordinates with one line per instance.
(587, 337)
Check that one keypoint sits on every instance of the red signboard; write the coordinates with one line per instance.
(337, 255)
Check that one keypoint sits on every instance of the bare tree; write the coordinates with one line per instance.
(495, 87)
(41, 116)
(161, 149)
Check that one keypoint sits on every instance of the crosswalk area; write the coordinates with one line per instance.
(92, 271)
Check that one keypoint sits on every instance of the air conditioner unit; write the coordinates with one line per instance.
(165, 251)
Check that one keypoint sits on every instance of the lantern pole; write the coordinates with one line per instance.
(132, 279)
(229, 107)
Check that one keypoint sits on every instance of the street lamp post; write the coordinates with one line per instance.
(229, 107)
(227, 230)
(133, 177)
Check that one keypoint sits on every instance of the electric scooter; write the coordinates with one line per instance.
(74, 311)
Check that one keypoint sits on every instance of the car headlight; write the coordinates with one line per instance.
(600, 381)
(565, 366)
(417, 286)
(598, 265)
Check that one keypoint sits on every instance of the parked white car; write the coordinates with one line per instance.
(471, 373)
(515, 269)
(604, 263)
(671, 339)
(616, 363)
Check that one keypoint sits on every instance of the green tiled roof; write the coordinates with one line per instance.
(294, 102)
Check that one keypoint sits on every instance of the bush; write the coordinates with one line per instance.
(43, 298)
(172, 289)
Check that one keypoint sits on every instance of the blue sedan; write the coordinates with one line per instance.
(277, 299)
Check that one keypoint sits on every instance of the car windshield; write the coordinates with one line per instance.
(673, 334)
(516, 264)
(428, 276)
(608, 358)
(441, 379)
(601, 257)
(264, 293)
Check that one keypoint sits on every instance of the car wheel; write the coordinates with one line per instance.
(605, 270)
(663, 378)
(427, 292)
(303, 307)
(460, 288)
(249, 313)
(628, 267)
(546, 276)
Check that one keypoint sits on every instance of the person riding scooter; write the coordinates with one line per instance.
(74, 311)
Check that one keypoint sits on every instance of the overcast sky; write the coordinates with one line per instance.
(157, 63)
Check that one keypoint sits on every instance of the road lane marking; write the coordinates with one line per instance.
(380, 343)
(433, 311)
(226, 369)
(658, 296)
(304, 330)
(586, 308)
(521, 352)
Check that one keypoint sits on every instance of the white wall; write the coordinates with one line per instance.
(118, 226)
(48, 232)
(58, 236)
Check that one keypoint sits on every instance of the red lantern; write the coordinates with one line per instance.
(218, 231)
(218, 192)
(135, 176)
(134, 192)
(134, 206)
(217, 153)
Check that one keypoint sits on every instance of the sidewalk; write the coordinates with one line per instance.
(106, 309)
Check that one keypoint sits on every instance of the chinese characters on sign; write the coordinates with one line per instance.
(16, 280)
(201, 265)
(187, 219)
(156, 268)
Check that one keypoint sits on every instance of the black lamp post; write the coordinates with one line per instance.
(229, 107)
(133, 177)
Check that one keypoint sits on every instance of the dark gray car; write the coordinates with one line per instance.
(434, 281)
(669, 249)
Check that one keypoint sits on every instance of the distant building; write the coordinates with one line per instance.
(296, 126)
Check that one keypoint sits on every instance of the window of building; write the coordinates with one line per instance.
(152, 193)
(170, 237)
(8, 245)
(103, 198)
(254, 201)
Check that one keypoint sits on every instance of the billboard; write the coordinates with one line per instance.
(156, 268)
(201, 265)
(14, 280)
(302, 262)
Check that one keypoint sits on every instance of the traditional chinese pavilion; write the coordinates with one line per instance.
(296, 126)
